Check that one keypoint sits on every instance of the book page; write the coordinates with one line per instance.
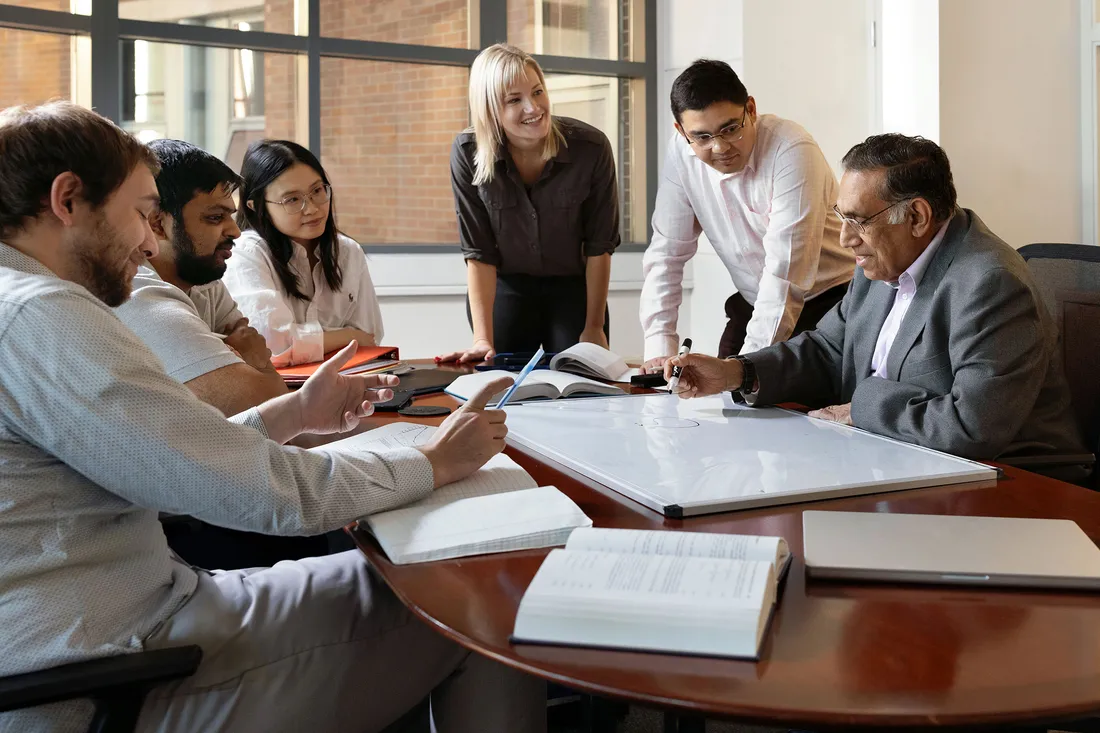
(468, 385)
(566, 384)
(681, 544)
(478, 524)
(626, 584)
(593, 360)
(391, 435)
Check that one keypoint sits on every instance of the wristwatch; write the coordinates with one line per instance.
(748, 375)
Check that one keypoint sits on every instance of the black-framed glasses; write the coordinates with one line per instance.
(730, 134)
(296, 203)
(861, 224)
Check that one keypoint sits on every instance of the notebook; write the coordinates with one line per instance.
(590, 360)
(499, 508)
(540, 384)
(654, 590)
(367, 358)
(959, 550)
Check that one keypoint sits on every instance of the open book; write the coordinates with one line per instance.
(540, 384)
(590, 360)
(499, 508)
(679, 592)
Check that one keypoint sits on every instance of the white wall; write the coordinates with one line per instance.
(812, 62)
(909, 47)
(1010, 114)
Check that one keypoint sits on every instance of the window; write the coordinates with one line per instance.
(387, 147)
(39, 67)
(391, 93)
(220, 99)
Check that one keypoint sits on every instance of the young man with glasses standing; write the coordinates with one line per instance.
(760, 189)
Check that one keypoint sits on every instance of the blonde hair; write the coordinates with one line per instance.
(493, 71)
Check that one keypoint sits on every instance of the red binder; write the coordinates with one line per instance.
(366, 354)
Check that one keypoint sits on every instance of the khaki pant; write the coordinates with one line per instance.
(322, 644)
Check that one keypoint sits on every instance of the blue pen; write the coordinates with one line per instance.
(522, 375)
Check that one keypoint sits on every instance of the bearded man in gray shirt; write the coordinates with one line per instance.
(95, 440)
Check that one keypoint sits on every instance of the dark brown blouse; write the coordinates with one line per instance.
(571, 212)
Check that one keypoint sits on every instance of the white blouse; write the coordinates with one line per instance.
(295, 328)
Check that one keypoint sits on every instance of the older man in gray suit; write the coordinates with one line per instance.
(942, 339)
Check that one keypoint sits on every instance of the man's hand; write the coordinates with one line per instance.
(837, 413)
(594, 335)
(249, 345)
(480, 351)
(331, 402)
(703, 375)
(469, 437)
(656, 365)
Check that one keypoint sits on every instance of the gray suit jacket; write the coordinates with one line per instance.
(975, 368)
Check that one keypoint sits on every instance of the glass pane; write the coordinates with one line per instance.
(217, 98)
(617, 108)
(79, 7)
(274, 16)
(39, 67)
(423, 22)
(386, 137)
(594, 29)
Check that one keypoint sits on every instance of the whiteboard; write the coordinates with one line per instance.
(686, 457)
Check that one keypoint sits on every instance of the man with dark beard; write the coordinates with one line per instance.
(180, 308)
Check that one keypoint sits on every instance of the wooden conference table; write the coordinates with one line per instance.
(837, 654)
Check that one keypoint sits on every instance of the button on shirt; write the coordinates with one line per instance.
(95, 440)
(906, 288)
(295, 328)
(571, 212)
(771, 224)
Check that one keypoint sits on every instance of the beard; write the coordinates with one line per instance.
(192, 268)
(105, 278)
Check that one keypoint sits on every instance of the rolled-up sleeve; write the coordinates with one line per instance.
(475, 230)
(251, 279)
(601, 208)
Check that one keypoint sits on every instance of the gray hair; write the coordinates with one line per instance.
(915, 168)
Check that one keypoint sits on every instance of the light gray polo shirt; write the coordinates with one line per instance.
(95, 440)
(181, 328)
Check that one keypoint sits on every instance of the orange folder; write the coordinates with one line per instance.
(300, 372)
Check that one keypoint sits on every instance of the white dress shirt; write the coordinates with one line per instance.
(295, 328)
(906, 288)
(95, 440)
(771, 224)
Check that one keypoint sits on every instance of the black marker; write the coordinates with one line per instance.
(685, 349)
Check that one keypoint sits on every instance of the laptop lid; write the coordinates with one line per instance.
(924, 548)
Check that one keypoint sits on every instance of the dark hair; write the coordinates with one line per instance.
(37, 144)
(915, 168)
(186, 170)
(703, 83)
(265, 161)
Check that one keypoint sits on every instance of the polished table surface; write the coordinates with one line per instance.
(836, 654)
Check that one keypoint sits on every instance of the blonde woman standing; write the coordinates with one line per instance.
(538, 214)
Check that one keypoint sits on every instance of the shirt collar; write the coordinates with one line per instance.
(13, 259)
(916, 271)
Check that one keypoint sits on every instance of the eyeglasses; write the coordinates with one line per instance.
(729, 134)
(296, 203)
(861, 224)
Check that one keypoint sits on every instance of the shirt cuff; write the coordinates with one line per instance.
(250, 418)
(661, 345)
(413, 478)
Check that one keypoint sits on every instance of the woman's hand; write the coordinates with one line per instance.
(480, 351)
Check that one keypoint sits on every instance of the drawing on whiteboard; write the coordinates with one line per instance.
(666, 422)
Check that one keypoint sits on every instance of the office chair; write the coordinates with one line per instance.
(117, 685)
(1068, 276)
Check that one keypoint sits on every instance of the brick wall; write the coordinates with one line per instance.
(35, 65)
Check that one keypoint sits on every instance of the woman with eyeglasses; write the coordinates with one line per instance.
(538, 214)
(302, 284)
